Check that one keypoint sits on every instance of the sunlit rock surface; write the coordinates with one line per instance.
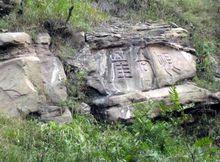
(129, 63)
(31, 79)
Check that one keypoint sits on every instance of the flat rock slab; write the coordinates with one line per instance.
(121, 58)
(11, 39)
(55, 114)
(188, 93)
(121, 107)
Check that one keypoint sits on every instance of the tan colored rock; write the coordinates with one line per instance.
(53, 75)
(43, 38)
(14, 39)
(121, 107)
(170, 65)
(119, 113)
(31, 76)
(84, 109)
(21, 87)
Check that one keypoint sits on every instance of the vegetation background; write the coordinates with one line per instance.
(87, 139)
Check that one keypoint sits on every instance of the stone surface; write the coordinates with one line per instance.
(56, 114)
(128, 63)
(170, 65)
(20, 38)
(135, 58)
(53, 75)
(20, 85)
(43, 38)
(120, 107)
(188, 93)
(31, 77)
(84, 109)
(119, 113)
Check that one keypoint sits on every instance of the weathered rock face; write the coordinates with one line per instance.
(32, 78)
(122, 70)
(20, 90)
(119, 63)
(128, 64)
(52, 71)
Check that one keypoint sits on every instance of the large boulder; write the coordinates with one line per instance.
(135, 58)
(32, 78)
(128, 63)
(20, 85)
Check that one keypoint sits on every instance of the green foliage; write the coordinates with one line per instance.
(37, 11)
(87, 140)
(174, 98)
(76, 90)
(213, 86)
(66, 51)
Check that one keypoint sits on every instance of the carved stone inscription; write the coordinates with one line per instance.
(170, 65)
(167, 63)
(128, 70)
(121, 69)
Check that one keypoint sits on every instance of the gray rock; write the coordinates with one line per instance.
(188, 93)
(128, 64)
(119, 113)
(53, 75)
(84, 109)
(56, 114)
(120, 106)
(123, 59)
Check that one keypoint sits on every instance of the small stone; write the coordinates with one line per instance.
(56, 114)
(43, 38)
(119, 113)
(84, 109)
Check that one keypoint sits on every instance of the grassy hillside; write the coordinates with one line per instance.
(86, 139)
(37, 11)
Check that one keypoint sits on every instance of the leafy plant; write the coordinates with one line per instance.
(174, 99)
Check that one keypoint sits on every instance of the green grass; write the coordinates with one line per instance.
(85, 139)
(37, 11)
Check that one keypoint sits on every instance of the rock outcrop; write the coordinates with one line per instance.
(128, 63)
(32, 78)
(124, 64)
